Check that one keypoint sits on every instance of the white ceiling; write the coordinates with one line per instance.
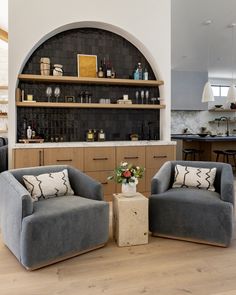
(4, 15)
(190, 37)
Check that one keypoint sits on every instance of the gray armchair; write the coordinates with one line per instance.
(47, 231)
(190, 213)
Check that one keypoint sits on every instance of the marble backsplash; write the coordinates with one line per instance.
(194, 120)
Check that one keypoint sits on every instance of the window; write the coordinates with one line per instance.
(219, 90)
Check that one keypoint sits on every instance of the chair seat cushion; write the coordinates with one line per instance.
(63, 226)
(191, 213)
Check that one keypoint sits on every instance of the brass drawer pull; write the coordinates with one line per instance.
(159, 157)
(130, 157)
(66, 160)
(95, 159)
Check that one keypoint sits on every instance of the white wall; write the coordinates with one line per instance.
(146, 23)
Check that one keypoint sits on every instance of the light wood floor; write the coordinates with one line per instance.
(165, 267)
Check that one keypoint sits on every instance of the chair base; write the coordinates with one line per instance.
(189, 240)
(63, 258)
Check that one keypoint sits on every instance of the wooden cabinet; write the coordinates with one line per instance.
(64, 156)
(134, 155)
(51, 156)
(99, 159)
(156, 156)
(100, 162)
(27, 157)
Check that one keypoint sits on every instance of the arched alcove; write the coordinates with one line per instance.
(62, 47)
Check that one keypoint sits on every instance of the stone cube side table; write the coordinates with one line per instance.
(130, 219)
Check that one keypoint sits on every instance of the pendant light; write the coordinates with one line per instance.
(231, 96)
(207, 94)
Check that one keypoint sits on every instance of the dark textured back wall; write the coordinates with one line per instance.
(72, 124)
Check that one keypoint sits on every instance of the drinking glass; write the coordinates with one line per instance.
(146, 96)
(136, 96)
(49, 93)
(57, 93)
(142, 96)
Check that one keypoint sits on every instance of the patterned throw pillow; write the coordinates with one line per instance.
(194, 177)
(48, 185)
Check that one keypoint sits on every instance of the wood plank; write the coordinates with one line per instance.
(88, 105)
(88, 80)
(3, 35)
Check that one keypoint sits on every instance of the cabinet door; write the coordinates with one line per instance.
(64, 156)
(27, 158)
(156, 156)
(134, 155)
(99, 159)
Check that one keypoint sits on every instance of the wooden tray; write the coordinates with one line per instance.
(38, 140)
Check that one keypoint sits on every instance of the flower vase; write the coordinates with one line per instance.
(128, 189)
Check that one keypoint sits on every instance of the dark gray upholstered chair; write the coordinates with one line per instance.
(190, 213)
(43, 232)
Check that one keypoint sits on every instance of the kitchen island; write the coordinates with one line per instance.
(206, 144)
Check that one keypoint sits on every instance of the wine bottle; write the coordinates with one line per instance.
(108, 75)
(100, 71)
(104, 68)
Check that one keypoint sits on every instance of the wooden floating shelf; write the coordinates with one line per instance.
(88, 80)
(3, 87)
(88, 105)
(3, 101)
(222, 110)
(223, 121)
(3, 131)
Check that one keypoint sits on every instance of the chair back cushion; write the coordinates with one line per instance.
(48, 185)
(202, 178)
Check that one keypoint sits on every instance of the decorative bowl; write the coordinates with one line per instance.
(202, 134)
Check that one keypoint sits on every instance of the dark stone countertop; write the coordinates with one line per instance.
(195, 137)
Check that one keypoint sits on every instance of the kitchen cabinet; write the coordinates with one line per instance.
(53, 156)
(186, 90)
(65, 156)
(156, 156)
(27, 158)
(100, 162)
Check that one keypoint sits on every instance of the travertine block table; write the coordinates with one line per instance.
(130, 219)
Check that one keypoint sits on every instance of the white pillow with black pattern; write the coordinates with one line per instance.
(202, 178)
(48, 185)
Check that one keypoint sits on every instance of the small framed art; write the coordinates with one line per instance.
(69, 98)
(87, 65)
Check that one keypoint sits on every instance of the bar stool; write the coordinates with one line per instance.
(218, 154)
(231, 153)
(191, 153)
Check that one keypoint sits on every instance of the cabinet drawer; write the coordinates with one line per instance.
(64, 156)
(156, 156)
(99, 159)
(109, 186)
(134, 155)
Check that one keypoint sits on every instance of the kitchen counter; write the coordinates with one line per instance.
(207, 145)
(93, 144)
(195, 137)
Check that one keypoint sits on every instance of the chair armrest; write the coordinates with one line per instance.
(161, 180)
(85, 186)
(227, 184)
(15, 204)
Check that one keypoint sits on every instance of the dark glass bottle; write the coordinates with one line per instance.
(104, 68)
(108, 75)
